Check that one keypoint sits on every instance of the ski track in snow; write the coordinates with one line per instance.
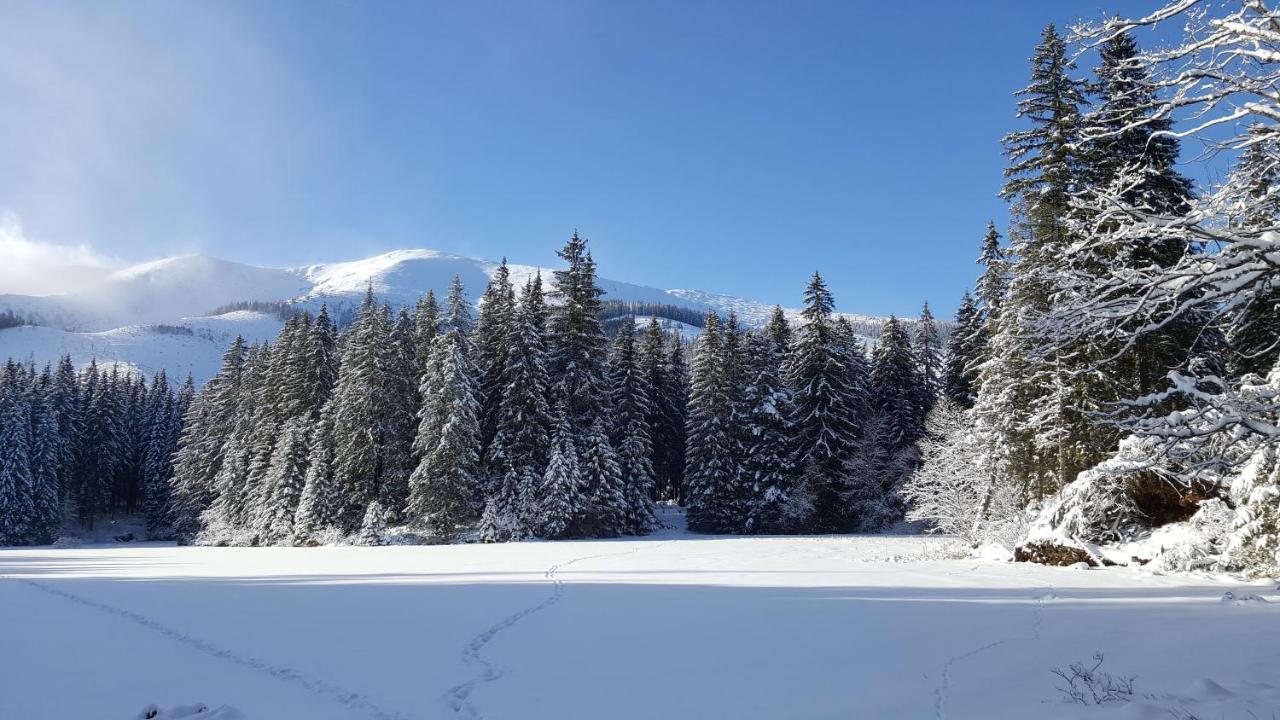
(458, 697)
(944, 690)
(315, 686)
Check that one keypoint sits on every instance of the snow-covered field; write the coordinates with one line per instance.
(672, 626)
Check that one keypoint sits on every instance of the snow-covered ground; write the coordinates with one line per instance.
(671, 626)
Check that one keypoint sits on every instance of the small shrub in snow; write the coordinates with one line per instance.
(1089, 685)
(1244, 598)
(198, 710)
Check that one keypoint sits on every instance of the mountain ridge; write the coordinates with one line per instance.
(160, 314)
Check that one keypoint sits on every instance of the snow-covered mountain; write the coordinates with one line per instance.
(164, 314)
(159, 291)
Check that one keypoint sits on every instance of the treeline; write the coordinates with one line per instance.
(10, 319)
(528, 421)
(280, 309)
(521, 422)
(615, 309)
(798, 430)
(84, 445)
(1118, 356)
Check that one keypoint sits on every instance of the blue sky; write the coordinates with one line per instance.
(726, 146)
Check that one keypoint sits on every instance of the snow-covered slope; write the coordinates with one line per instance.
(115, 319)
(193, 345)
(399, 277)
(159, 291)
(402, 276)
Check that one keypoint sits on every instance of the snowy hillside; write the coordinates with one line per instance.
(155, 292)
(671, 626)
(115, 319)
(192, 345)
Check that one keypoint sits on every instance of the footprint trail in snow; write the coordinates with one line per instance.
(322, 688)
(458, 697)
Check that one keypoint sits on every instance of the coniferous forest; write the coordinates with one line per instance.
(524, 420)
(1113, 367)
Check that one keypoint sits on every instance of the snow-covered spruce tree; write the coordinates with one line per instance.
(269, 405)
(1026, 401)
(500, 520)
(993, 284)
(100, 446)
(927, 346)
(490, 344)
(304, 372)
(319, 503)
(889, 450)
(712, 473)
(16, 503)
(631, 406)
(896, 386)
(285, 480)
(47, 461)
(163, 429)
(677, 394)
(126, 399)
(426, 324)
(779, 331)
(224, 522)
(766, 473)
(736, 370)
(1129, 156)
(825, 411)
(361, 429)
(576, 338)
(442, 488)
(1044, 163)
(662, 357)
(321, 363)
(960, 368)
(401, 416)
(666, 411)
(562, 497)
(607, 508)
(524, 425)
(1124, 135)
(201, 447)
(289, 371)
(278, 396)
(63, 397)
(977, 319)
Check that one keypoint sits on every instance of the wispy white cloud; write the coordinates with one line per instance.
(28, 267)
(147, 127)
